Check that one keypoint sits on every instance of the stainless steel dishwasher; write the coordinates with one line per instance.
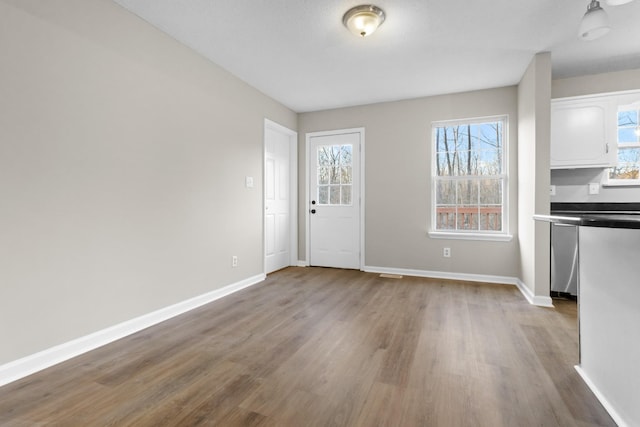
(564, 259)
(564, 239)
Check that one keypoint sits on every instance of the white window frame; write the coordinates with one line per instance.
(623, 145)
(502, 235)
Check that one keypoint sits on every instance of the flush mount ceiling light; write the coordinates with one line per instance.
(363, 20)
(595, 22)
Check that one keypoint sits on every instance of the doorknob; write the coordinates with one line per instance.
(313, 211)
(313, 202)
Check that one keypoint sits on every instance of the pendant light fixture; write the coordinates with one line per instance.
(363, 20)
(595, 22)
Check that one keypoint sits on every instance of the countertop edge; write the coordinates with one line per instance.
(558, 219)
(607, 221)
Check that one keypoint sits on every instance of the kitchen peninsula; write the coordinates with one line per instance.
(609, 309)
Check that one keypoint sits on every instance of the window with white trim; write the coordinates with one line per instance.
(470, 182)
(627, 170)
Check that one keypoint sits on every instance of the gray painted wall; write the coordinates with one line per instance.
(398, 171)
(596, 83)
(572, 184)
(122, 164)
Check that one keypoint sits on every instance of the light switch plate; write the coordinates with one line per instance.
(552, 190)
(248, 182)
(594, 188)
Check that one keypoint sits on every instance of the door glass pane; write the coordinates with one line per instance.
(335, 173)
(345, 199)
(323, 195)
(323, 175)
(334, 197)
(346, 175)
(335, 154)
(346, 151)
(324, 156)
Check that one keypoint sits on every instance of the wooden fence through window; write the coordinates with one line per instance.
(469, 218)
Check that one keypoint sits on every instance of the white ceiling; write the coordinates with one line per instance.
(299, 53)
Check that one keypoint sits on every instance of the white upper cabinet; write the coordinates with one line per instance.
(583, 132)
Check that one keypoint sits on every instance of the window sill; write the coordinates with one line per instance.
(470, 236)
(622, 183)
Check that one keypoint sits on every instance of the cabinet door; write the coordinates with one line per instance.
(582, 133)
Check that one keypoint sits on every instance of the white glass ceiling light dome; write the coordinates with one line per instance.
(363, 20)
(595, 23)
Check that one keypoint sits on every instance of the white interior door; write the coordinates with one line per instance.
(278, 144)
(334, 199)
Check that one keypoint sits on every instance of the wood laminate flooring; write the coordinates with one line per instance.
(325, 347)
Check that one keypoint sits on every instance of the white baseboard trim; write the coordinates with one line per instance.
(605, 403)
(506, 280)
(533, 299)
(442, 275)
(33, 363)
(303, 263)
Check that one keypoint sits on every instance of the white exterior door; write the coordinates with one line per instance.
(278, 225)
(334, 199)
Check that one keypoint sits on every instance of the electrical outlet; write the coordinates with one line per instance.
(446, 253)
(594, 188)
(234, 261)
(552, 190)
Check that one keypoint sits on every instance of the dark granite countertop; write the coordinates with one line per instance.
(610, 220)
(588, 207)
(611, 215)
